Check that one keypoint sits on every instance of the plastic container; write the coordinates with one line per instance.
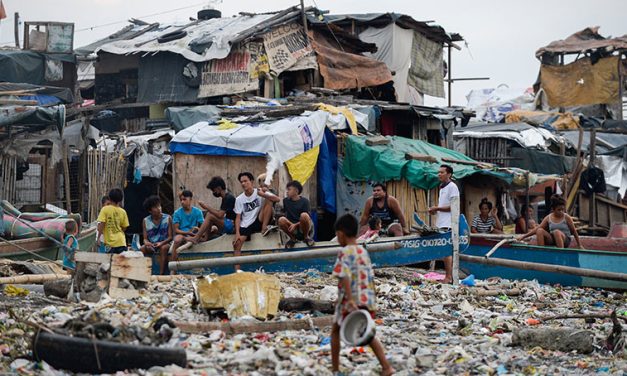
(357, 328)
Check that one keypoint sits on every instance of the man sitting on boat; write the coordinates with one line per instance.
(487, 222)
(218, 221)
(296, 223)
(556, 228)
(250, 211)
(157, 231)
(186, 221)
(386, 207)
(448, 190)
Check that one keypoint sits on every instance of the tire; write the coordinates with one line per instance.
(172, 36)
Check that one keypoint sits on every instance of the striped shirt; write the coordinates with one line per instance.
(483, 227)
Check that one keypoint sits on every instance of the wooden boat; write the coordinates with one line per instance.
(408, 250)
(44, 247)
(612, 257)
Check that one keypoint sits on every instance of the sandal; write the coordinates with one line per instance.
(310, 242)
(290, 244)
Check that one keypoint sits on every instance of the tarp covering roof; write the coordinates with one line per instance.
(522, 133)
(584, 40)
(204, 39)
(64, 94)
(433, 32)
(387, 162)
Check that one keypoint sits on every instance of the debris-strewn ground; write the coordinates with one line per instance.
(426, 328)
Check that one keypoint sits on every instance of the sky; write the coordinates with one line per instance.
(501, 35)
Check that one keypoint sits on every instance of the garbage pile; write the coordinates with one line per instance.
(426, 327)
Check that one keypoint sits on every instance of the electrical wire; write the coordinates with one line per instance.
(145, 16)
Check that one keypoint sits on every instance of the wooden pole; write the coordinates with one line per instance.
(302, 13)
(455, 237)
(622, 277)
(273, 257)
(254, 326)
(450, 80)
(592, 203)
(66, 178)
(16, 28)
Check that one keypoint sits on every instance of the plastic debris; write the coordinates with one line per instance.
(426, 328)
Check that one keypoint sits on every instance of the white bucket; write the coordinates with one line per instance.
(357, 328)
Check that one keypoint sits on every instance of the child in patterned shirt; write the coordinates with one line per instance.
(355, 288)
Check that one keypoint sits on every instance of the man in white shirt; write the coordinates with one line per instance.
(250, 211)
(448, 190)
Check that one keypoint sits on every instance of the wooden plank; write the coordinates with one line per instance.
(421, 157)
(100, 258)
(117, 293)
(255, 326)
(377, 140)
(472, 163)
(138, 268)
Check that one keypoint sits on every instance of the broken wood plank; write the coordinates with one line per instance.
(18, 102)
(137, 268)
(421, 157)
(117, 293)
(377, 140)
(255, 326)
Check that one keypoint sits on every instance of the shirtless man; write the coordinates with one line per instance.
(386, 207)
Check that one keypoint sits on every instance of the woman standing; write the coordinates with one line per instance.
(556, 228)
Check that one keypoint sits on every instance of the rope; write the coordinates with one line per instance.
(33, 253)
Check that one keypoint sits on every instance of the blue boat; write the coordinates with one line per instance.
(600, 260)
(407, 250)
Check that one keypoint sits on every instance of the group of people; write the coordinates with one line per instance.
(250, 212)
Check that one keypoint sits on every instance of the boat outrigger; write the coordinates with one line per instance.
(513, 260)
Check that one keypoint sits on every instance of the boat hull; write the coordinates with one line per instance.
(588, 259)
(44, 247)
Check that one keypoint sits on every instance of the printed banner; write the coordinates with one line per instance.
(237, 73)
(285, 45)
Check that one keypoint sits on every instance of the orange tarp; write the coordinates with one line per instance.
(344, 70)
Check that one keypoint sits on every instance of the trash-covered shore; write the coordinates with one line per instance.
(426, 328)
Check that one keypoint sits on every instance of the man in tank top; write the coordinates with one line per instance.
(387, 208)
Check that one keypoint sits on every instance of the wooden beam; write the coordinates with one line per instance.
(377, 140)
(254, 326)
(421, 157)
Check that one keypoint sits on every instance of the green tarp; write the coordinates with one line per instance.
(387, 162)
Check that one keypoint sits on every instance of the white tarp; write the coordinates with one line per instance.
(218, 31)
(281, 140)
(491, 105)
(615, 172)
(394, 46)
(531, 138)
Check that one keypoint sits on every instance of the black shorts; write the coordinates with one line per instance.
(253, 228)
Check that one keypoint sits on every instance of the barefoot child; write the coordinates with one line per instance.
(355, 287)
(70, 245)
(112, 222)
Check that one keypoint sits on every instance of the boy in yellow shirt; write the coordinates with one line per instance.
(112, 222)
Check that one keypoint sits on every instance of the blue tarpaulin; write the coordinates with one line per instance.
(327, 172)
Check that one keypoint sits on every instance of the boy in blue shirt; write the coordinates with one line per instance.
(186, 220)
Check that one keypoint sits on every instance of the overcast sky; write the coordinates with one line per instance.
(502, 35)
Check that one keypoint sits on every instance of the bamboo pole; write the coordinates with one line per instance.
(255, 326)
(613, 276)
(33, 278)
